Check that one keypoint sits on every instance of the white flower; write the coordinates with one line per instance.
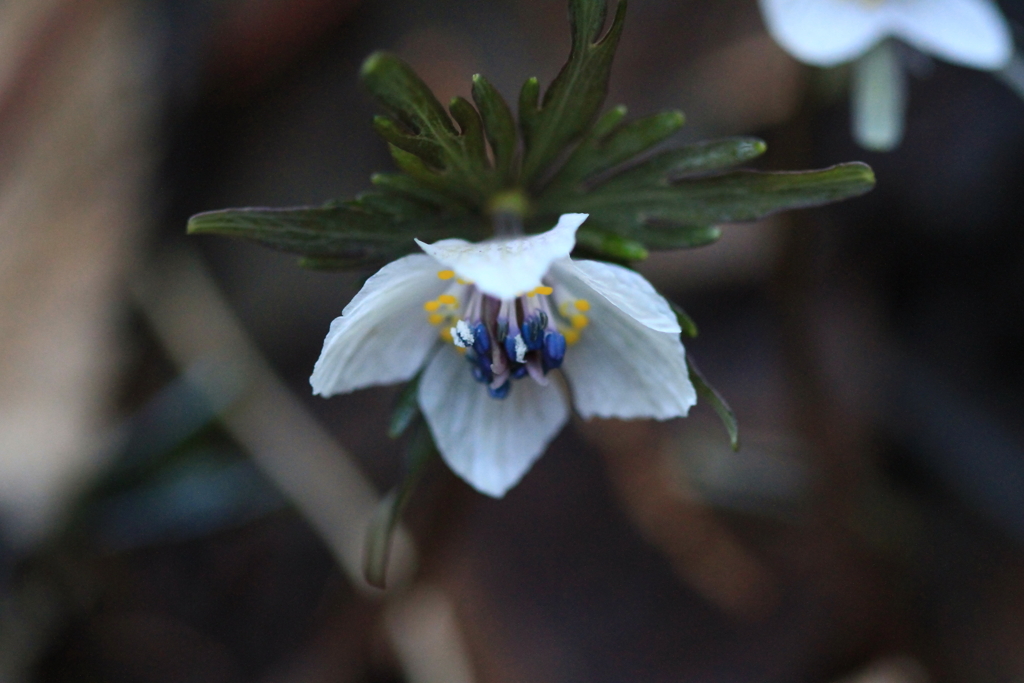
(970, 33)
(829, 32)
(491, 321)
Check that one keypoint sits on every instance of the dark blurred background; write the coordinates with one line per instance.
(176, 506)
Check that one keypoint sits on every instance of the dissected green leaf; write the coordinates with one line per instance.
(608, 122)
(603, 150)
(407, 408)
(574, 97)
(684, 212)
(394, 206)
(345, 233)
(499, 125)
(649, 234)
(407, 186)
(472, 131)
(708, 393)
(611, 245)
(427, 177)
(377, 543)
(424, 130)
(701, 157)
(685, 321)
(405, 95)
(427, 149)
(529, 107)
(570, 160)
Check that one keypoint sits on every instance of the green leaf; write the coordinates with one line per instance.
(396, 86)
(407, 186)
(377, 543)
(648, 234)
(499, 125)
(708, 393)
(611, 246)
(529, 107)
(328, 264)
(407, 408)
(427, 177)
(685, 321)
(336, 235)
(574, 97)
(426, 149)
(701, 157)
(472, 131)
(608, 146)
(432, 150)
(394, 206)
(683, 213)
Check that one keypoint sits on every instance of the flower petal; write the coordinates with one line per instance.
(490, 443)
(971, 33)
(506, 268)
(628, 362)
(627, 290)
(825, 32)
(382, 335)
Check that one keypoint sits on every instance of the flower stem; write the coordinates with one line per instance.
(878, 99)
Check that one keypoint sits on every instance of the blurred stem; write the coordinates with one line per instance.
(798, 277)
(878, 98)
(1013, 74)
(194, 323)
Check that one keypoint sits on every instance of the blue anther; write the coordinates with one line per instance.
(500, 392)
(482, 375)
(510, 348)
(480, 366)
(481, 340)
(533, 331)
(553, 352)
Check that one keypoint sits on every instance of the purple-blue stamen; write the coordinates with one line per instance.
(533, 331)
(508, 340)
(480, 367)
(510, 348)
(481, 340)
(500, 392)
(553, 352)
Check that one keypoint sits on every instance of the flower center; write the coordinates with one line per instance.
(505, 340)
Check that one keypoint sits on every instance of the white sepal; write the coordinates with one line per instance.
(507, 267)
(382, 335)
(624, 367)
(971, 33)
(490, 443)
(825, 32)
(627, 290)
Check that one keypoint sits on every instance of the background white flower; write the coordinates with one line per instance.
(829, 32)
(498, 317)
(971, 33)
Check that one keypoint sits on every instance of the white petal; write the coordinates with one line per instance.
(625, 289)
(627, 363)
(506, 268)
(491, 443)
(972, 33)
(382, 335)
(825, 32)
